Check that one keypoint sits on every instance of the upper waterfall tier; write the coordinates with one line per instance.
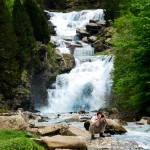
(67, 23)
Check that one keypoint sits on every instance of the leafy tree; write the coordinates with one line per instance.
(24, 33)
(38, 21)
(132, 62)
(9, 74)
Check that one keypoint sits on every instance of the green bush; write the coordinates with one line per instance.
(132, 57)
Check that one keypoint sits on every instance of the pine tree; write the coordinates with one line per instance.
(38, 21)
(24, 33)
(9, 74)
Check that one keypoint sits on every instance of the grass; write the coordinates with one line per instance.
(17, 140)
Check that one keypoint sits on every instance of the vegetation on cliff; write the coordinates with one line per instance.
(18, 47)
(24, 33)
(38, 21)
(132, 56)
(9, 68)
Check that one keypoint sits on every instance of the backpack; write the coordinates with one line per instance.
(87, 125)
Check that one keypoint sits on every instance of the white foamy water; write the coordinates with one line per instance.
(137, 133)
(88, 85)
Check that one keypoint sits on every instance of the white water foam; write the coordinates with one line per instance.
(88, 85)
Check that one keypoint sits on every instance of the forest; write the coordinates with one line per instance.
(22, 24)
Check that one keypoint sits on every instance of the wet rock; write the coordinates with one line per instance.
(111, 143)
(92, 39)
(93, 28)
(51, 28)
(74, 118)
(98, 22)
(68, 61)
(144, 121)
(80, 112)
(82, 32)
(85, 40)
(99, 45)
(64, 142)
(115, 125)
(73, 46)
(43, 119)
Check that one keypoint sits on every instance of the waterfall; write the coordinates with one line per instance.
(88, 85)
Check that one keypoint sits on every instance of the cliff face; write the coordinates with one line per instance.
(71, 5)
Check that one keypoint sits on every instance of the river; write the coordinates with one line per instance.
(88, 85)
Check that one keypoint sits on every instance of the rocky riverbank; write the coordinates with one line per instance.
(65, 134)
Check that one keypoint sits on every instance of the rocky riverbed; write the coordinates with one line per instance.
(66, 131)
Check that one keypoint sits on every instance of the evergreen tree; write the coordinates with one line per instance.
(9, 74)
(38, 21)
(24, 33)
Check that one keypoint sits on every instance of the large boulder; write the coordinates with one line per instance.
(51, 129)
(144, 121)
(15, 122)
(93, 28)
(64, 142)
(116, 125)
(74, 131)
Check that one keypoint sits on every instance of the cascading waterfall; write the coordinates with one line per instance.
(88, 85)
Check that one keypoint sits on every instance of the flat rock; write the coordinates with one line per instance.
(64, 142)
(111, 143)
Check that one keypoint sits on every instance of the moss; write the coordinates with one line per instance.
(24, 76)
(108, 52)
(3, 107)
(16, 140)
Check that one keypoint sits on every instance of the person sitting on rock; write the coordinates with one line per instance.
(98, 124)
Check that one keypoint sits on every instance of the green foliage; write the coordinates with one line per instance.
(132, 62)
(24, 33)
(10, 4)
(38, 21)
(15, 140)
(9, 73)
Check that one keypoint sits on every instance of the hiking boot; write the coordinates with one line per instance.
(92, 137)
(102, 135)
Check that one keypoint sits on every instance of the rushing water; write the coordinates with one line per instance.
(88, 85)
(137, 133)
